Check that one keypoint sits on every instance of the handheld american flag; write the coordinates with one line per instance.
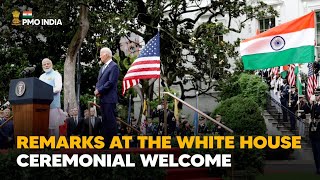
(275, 71)
(312, 81)
(146, 66)
(292, 77)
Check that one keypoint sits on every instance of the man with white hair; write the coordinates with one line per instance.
(6, 132)
(54, 79)
(106, 89)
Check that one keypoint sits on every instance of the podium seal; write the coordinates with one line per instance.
(20, 88)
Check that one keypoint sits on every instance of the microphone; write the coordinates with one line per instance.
(5, 105)
(28, 70)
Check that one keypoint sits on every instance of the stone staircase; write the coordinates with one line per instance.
(272, 116)
(275, 126)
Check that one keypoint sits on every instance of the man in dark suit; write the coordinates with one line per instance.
(106, 89)
(6, 131)
(74, 124)
(292, 107)
(91, 125)
(314, 135)
(284, 99)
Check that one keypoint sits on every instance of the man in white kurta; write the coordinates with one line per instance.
(276, 83)
(54, 79)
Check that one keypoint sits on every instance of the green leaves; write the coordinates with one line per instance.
(241, 112)
(244, 85)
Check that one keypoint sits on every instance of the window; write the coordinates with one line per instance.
(218, 38)
(318, 34)
(267, 23)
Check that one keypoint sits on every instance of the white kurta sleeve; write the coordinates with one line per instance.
(57, 83)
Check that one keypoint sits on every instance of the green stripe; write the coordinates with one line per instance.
(27, 16)
(303, 54)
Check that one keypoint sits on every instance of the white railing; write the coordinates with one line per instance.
(197, 110)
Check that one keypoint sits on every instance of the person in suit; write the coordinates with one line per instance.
(106, 89)
(6, 132)
(218, 129)
(284, 99)
(314, 135)
(86, 114)
(54, 79)
(1, 114)
(171, 122)
(293, 107)
(91, 125)
(74, 124)
(203, 129)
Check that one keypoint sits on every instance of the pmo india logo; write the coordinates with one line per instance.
(27, 19)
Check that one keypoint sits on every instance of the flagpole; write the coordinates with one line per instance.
(129, 111)
(94, 107)
(160, 67)
(196, 116)
(298, 79)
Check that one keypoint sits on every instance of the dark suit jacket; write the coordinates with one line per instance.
(72, 128)
(96, 129)
(107, 83)
(5, 132)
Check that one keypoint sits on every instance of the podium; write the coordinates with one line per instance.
(30, 99)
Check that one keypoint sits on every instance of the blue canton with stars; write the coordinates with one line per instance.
(152, 48)
(310, 69)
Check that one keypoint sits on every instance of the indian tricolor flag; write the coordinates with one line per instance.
(288, 43)
(27, 14)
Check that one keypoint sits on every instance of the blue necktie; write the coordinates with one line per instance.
(104, 67)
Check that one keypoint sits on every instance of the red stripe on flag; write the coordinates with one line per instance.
(291, 77)
(275, 70)
(143, 77)
(146, 66)
(312, 81)
(143, 69)
(146, 62)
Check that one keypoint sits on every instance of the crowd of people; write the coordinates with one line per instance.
(181, 126)
(288, 102)
(295, 105)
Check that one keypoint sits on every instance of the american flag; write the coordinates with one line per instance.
(291, 77)
(312, 81)
(146, 66)
(275, 71)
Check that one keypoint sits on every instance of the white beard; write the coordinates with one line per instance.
(47, 70)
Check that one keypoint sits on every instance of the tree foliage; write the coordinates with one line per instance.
(243, 115)
(244, 85)
(186, 48)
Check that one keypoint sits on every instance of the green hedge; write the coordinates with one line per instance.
(242, 115)
(244, 85)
